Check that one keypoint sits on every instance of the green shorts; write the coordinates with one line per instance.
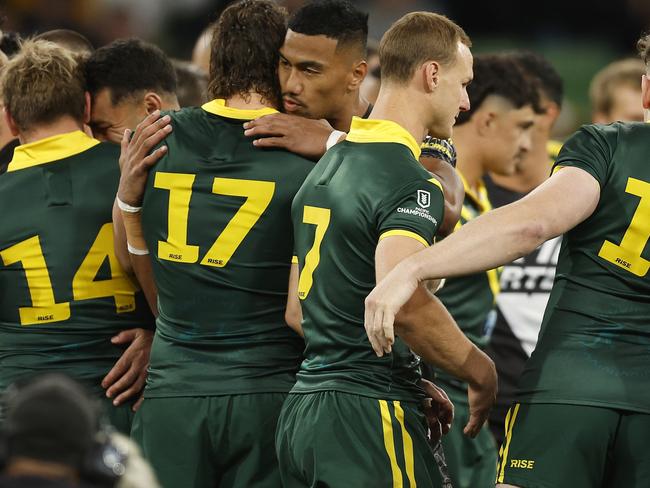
(471, 462)
(342, 440)
(205, 442)
(574, 446)
(119, 417)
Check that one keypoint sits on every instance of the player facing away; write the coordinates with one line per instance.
(354, 419)
(216, 217)
(64, 295)
(582, 415)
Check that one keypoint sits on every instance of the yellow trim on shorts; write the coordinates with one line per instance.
(408, 445)
(506, 445)
(404, 233)
(389, 443)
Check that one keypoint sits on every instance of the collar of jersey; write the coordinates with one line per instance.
(50, 149)
(481, 199)
(218, 107)
(375, 130)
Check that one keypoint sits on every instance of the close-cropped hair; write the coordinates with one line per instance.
(244, 51)
(128, 67)
(42, 83)
(336, 19)
(500, 75)
(625, 72)
(549, 80)
(416, 38)
(69, 39)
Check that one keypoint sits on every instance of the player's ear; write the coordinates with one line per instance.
(11, 123)
(152, 102)
(645, 91)
(431, 75)
(484, 121)
(358, 74)
(87, 107)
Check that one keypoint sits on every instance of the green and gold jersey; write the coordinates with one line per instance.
(471, 299)
(364, 189)
(63, 294)
(217, 221)
(594, 345)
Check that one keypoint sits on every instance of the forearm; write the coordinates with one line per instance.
(119, 240)
(144, 273)
(430, 331)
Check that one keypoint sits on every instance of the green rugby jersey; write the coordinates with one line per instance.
(364, 189)
(594, 345)
(63, 294)
(217, 221)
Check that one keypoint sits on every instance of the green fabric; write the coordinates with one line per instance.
(338, 439)
(471, 462)
(67, 204)
(221, 328)
(366, 189)
(121, 418)
(595, 337)
(198, 442)
(574, 446)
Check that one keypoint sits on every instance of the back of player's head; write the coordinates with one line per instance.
(643, 46)
(69, 39)
(611, 78)
(416, 38)
(549, 80)
(336, 19)
(192, 84)
(50, 418)
(498, 75)
(42, 83)
(245, 50)
(128, 67)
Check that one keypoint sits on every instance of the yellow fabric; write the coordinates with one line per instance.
(553, 149)
(50, 149)
(294, 259)
(389, 443)
(404, 233)
(408, 445)
(374, 130)
(438, 184)
(510, 422)
(218, 107)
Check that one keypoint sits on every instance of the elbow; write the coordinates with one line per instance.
(533, 233)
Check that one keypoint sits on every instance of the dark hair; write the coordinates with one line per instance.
(192, 87)
(549, 80)
(127, 66)
(69, 39)
(244, 51)
(336, 19)
(415, 38)
(500, 75)
(643, 46)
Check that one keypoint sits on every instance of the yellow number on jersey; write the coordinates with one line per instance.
(258, 196)
(627, 254)
(84, 285)
(44, 308)
(320, 217)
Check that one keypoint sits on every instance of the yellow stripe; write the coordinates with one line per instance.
(404, 233)
(493, 280)
(389, 443)
(294, 259)
(408, 446)
(556, 169)
(218, 107)
(504, 458)
(438, 184)
(505, 430)
(375, 130)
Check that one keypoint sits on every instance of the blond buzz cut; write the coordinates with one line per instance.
(416, 38)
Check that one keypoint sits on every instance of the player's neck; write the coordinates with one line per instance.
(253, 101)
(532, 172)
(356, 106)
(398, 105)
(62, 125)
(469, 156)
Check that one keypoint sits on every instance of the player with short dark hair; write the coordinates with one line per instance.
(216, 218)
(366, 205)
(583, 408)
(66, 301)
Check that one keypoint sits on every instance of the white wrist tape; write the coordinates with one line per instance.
(333, 139)
(125, 207)
(136, 251)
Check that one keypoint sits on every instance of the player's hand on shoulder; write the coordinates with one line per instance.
(306, 137)
(136, 157)
(127, 378)
(383, 304)
(438, 410)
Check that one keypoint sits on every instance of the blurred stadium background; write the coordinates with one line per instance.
(578, 36)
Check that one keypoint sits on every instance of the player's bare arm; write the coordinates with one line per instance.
(496, 238)
(293, 313)
(300, 135)
(426, 326)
